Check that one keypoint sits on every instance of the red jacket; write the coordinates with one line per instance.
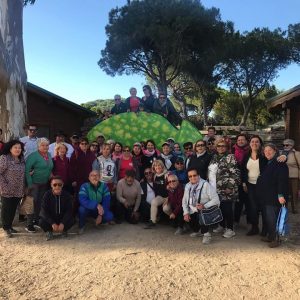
(175, 199)
(61, 167)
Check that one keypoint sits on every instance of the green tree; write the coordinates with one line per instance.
(154, 37)
(254, 60)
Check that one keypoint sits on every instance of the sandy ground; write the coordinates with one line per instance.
(127, 262)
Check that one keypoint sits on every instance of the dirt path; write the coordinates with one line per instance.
(128, 262)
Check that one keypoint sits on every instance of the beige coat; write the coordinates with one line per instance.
(293, 163)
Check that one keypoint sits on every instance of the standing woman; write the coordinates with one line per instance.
(150, 154)
(117, 151)
(125, 163)
(272, 189)
(200, 159)
(133, 102)
(137, 156)
(12, 182)
(148, 99)
(61, 165)
(224, 174)
(38, 170)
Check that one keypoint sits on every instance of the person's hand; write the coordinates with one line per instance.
(165, 203)
(245, 188)
(55, 227)
(126, 204)
(100, 209)
(228, 191)
(282, 158)
(74, 184)
(172, 216)
(187, 218)
(199, 206)
(31, 172)
(281, 200)
(61, 227)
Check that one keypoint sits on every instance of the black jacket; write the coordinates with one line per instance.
(148, 103)
(272, 182)
(200, 163)
(118, 109)
(144, 187)
(167, 110)
(56, 209)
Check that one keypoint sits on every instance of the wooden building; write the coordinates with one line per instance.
(52, 113)
(289, 102)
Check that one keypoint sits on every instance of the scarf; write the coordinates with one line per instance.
(149, 153)
(240, 153)
(167, 159)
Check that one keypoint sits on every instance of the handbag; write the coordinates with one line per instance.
(282, 227)
(211, 215)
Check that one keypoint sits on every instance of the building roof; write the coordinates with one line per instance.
(279, 100)
(60, 100)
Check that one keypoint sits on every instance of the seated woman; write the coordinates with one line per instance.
(180, 171)
(56, 210)
(198, 194)
(160, 186)
(272, 189)
(129, 198)
(173, 207)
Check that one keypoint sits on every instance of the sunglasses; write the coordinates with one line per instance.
(200, 145)
(192, 176)
(286, 145)
(148, 173)
(57, 184)
(188, 148)
(179, 162)
(210, 143)
(172, 181)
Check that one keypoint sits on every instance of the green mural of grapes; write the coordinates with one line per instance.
(129, 128)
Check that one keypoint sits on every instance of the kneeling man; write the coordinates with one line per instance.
(94, 201)
(56, 210)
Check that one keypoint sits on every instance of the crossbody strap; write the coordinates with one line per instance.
(199, 197)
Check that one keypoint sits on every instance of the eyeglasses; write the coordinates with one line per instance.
(83, 143)
(148, 173)
(192, 176)
(210, 143)
(179, 162)
(286, 145)
(200, 145)
(57, 184)
(172, 181)
(221, 146)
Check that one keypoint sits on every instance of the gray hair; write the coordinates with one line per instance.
(271, 145)
(42, 140)
(289, 142)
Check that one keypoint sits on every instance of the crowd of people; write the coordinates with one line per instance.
(56, 185)
(149, 103)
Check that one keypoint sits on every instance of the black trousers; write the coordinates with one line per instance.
(48, 227)
(271, 216)
(240, 204)
(178, 221)
(255, 206)
(37, 192)
(195, 226)
(8, 211)
(125, 213)
(145, 211)
(227, 212)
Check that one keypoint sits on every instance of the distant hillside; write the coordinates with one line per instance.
(100, 105)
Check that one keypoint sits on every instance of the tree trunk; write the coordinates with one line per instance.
(204, 108)
(247, 109)
(13, 104)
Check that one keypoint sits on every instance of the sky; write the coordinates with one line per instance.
(63, 40)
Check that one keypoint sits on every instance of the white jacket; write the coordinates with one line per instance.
(209, 196)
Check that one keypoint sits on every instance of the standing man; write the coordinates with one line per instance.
(119, 107)
(60, 138)
(211, 133)
(30, 141)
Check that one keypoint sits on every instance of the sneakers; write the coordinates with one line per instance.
(219, 229)
(179, 231)
(8, 233)
(206, 238)
(196, 234)
(30, 229)
(49, 236)
(12, 230)
(149, 225)
(228, 233)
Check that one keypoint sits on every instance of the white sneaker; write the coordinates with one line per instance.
(228, 233)
(219, 229)
(196, 234)
(206, 238)
(179, 231)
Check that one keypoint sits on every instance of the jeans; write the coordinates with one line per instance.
(85, 212)
(227, 212)
(8, 211)
(37, 192)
